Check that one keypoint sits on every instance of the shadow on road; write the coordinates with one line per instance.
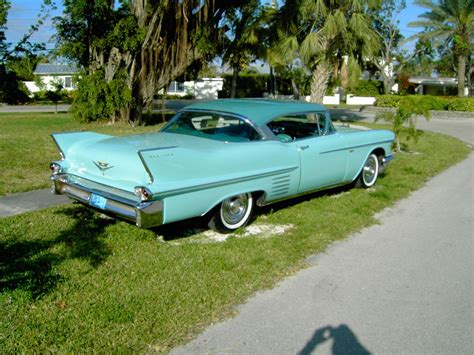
(344, 341)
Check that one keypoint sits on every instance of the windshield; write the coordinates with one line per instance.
(212, 125)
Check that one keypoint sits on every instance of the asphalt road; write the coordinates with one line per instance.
(403, 286)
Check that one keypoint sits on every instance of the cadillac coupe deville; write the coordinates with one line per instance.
(218, 158)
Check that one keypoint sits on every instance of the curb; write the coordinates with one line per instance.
(446, 115)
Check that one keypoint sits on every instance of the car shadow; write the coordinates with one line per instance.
(350, 115)
(182, 229)
(193, 226)
(31, 265)
(303, 198)
(344, 341)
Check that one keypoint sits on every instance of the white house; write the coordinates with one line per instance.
(49, 75)
(202, 89)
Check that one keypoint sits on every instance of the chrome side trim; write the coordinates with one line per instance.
(355, 146)
(225, 182)
(158, 148)
(264, 202)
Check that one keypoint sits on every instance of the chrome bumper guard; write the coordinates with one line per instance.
(385, 162)
(144, 214)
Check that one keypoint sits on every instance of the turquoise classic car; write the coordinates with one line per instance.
(217, 158)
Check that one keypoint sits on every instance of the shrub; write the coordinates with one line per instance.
(461, 104)
(12, 90)
(367, 88)
(97, 99)
(409, 107)
(248, 85)
(45, 95)
(388, 100)
(436, 103)
(255, 85)
(427, 102)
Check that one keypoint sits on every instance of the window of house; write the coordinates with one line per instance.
(176, 86)
(68, 82)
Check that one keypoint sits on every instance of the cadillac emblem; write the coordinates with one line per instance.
(103, 165)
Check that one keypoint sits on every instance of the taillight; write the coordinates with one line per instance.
(55, 168)
(144, 193)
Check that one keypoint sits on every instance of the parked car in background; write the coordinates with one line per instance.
(217, 158)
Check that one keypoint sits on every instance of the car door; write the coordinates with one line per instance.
(322, 151)
(323, 161)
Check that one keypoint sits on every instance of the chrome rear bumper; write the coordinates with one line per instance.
(119, 203)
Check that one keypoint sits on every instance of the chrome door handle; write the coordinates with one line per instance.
(303, 147)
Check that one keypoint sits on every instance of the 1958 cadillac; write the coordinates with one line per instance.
(219, 158)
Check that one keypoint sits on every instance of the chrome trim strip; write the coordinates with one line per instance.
(355, 146)
(158, 148)
(224, 182)
(265, 202)
(147, 169)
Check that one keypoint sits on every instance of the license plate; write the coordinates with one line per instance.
(98, 201)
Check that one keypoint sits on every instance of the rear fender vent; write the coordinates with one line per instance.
(280, 185)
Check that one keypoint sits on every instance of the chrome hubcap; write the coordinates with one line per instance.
(234, 208)
(370, 170)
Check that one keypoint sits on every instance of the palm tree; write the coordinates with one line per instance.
(326, 33)
(242, 43)
(449, 21)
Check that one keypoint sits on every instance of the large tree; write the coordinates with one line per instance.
(327, 34)
(452, 22)
(131, 52)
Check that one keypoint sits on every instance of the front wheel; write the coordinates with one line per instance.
(232, 214)
(370, 172)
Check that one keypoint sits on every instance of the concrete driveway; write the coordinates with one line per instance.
(403, 286)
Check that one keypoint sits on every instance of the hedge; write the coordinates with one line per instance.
(367, 88)
(253, 85)
(435, 103)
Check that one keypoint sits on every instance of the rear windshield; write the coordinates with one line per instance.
(212, 125)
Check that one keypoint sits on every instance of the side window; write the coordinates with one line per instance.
(212, 125)
(302, 125)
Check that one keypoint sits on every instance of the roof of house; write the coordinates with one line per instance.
(433, 81)
(57, 69)
(260, 111)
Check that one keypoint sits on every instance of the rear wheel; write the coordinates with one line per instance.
(233, 213)
(370, 172)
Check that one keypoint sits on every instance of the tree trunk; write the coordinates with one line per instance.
(296, 89)
(235, 75)
(461, 74)
(168, 47)
(319, 82)
(344, 73)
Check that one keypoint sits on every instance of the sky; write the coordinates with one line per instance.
(23, 13)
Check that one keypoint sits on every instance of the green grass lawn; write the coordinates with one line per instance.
(26, 148)
(71, 280)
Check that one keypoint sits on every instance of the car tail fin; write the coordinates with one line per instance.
(65, 140)
(146, 155)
